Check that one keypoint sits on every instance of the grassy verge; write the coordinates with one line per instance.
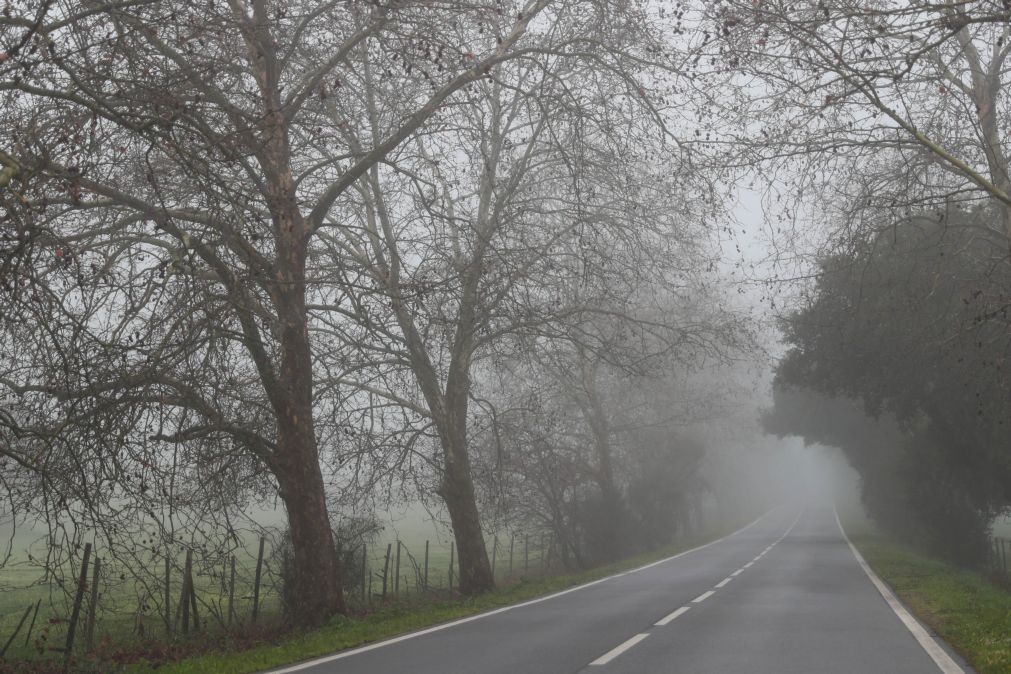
(390, 620)
(968, 611)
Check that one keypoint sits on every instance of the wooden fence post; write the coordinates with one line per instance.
(452, 553)
(526, 554)
(426, 565)
(193, 602)
(18, 629)
(396, 573)
(177, 621)
(256, 582)
(364, 570)
(184, 595)
(89, 627)
(82, 581)
(386, 566)
(512, 540)
(168, 591)
(31, 626)
(494, 554)
(231, 593)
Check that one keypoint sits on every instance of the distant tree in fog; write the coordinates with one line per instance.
(589, 437)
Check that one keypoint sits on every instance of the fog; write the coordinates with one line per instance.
(345, 295)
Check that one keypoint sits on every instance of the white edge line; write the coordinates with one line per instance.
(702, 597)
(672, 615)
(929, 643)
(618, 650)
(682, 554)
(404, 637)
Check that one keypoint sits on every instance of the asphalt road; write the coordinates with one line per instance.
(786, 594)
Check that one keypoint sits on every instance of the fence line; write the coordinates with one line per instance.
(186, 589)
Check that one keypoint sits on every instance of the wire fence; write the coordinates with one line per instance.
(181, 592)
(185, 592)
(395, 568)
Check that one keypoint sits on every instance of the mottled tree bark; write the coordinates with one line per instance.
(457, 490)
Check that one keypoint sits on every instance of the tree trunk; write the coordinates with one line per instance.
(457, 491)
(457, 487)
(449, 411)
(611, 515)
(317, 590)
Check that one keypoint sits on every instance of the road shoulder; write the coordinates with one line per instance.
(968, 615)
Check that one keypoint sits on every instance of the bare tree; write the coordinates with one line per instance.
(865, 108)
(170, 171)
(529, 204)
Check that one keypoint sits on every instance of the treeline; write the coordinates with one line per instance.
(323, 252)
(900, 357)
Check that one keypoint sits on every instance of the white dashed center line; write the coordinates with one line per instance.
(615, 652)
(671, 616)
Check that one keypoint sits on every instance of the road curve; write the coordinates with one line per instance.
(783, 595)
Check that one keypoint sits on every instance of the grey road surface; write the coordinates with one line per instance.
(783, 595)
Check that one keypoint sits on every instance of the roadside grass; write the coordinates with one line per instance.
(966, 609)
(396, 617)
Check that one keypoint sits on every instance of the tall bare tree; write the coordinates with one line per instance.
(539, 197)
